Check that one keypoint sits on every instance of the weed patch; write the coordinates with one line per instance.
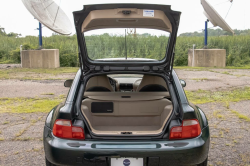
(23, 139)
(48, 94)
(27, 105)
(200, 79)
(202, 96)
(14, 73)
(6, 122)
(241, 116)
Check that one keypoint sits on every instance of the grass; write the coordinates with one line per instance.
(1, 139)
(28, 105)
(242, 67)
(199, 79)
(47, 94)
(207, 68)
(16, 73)
(226, 73)
(23, 139)
(241, 116)
(235, 141)
(202, 96)
(21, 132)
(218, 115)
(189, 67)
(6, 122)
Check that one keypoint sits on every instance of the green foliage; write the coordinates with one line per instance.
(27, 46)
(69, 60)
(237, 47)
(216, 32)
(139, 46)
(2, 54)
(67, 45)
(238, 50)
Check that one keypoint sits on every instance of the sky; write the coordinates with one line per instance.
(14, 17)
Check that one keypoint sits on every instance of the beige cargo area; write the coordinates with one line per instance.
(139, 113)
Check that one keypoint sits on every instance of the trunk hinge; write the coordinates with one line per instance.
(84, 68)
(171, 67)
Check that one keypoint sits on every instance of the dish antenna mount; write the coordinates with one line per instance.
(48, 13)
(214, 17)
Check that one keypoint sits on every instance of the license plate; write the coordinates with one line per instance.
(126, 161)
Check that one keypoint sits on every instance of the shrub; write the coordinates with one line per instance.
(69, 60)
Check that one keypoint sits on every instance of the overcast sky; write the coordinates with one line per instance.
(15, 18)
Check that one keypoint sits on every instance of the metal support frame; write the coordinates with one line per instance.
(206, 34)
(40, 36)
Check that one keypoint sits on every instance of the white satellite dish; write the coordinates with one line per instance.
(49, 14)
(214, 17)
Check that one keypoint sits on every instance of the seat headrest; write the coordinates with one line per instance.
(152, 83)
(99, 84)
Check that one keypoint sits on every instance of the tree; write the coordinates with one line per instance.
(12, 34)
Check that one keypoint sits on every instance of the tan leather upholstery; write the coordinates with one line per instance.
(148, 80)
(99, 81)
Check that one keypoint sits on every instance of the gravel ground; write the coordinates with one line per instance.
(230, 143)
(17, 88)
(4, 66)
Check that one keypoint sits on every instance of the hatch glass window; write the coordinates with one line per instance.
(131, 44)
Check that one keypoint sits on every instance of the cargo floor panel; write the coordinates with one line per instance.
(116, 116)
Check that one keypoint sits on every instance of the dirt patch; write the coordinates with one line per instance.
(235, 72)
(16, 88)
(22, 139)
(242, 107)
(208, 80)
(229, 136)
(5, 66)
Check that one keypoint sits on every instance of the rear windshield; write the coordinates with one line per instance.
(136, 44)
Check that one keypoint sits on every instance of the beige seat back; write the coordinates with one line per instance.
(99, 83)
(151, 80)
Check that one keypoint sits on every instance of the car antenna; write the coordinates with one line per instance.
(126, 46)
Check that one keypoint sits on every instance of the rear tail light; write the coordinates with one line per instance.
(64, 129)
(188, 129)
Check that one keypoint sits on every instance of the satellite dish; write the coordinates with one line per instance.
(49, 14)
(214, 17)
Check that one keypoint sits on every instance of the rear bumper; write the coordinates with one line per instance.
(98, 153)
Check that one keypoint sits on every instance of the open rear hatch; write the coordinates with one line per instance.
(104, 48)
(127, 16)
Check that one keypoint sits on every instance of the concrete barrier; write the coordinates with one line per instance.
(45, 58)
(207, 58)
